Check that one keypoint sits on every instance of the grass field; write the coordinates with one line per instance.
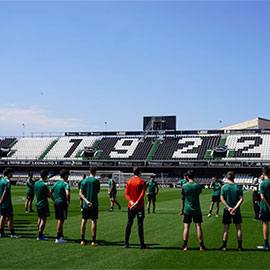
(163, 233)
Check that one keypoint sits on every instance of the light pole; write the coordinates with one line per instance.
(105, 125)
(220, 124)
(23, 126)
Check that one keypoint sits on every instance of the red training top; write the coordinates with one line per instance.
(135, 189)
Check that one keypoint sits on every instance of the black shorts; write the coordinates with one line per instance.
(6, 212)
(90, 213)
(43, 212)
(216, 198)
(30, 196)
(196, 219)
(151, 197)
(61, 210)
(265, 216)
(227, 218)
(112, 194)
(136, 212)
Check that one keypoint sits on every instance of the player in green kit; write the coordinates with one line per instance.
(192, 209)
(30, 192)
(79, 186)
(232, 198)
(61, 192)
(256, 199)
(42, 192)
(216, 184)
(182, 182)
(6, 210)
(264, 192)
(112, 193)
(152, 191)
(89, 190)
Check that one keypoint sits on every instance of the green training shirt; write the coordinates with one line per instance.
(5, 185)
(191, 191)
(59, 191)
(151, 187)
(265, 190)
(41, 191)
(112, 185)
(231, 194)
(182, 182)
(216, 188)
(79, 184)
(90, 187)
(29, 188)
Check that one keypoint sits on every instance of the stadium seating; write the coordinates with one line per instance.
(241, 179)
(69, 147)
(249, 147)
(30, 148)
(181, 148)
(255, 147)
(6, 143)
(124, 148)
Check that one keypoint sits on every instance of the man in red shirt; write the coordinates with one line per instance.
(135, 189)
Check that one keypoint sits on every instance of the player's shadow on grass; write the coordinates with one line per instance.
(162, 213)
(101, 242)
(110, 243)
(28, 235)
(245, 250)
(33, 214)
(34, 235)
(138, 245)
(170, 248)
(74, 211)
(106, 243)
(23, 229)
(210, 249)
(22, 222)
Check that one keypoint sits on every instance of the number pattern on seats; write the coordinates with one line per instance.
(185, 148)
(249, 147)
(124, 148)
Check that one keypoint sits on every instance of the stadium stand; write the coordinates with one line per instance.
(248, 147)
(241, 179)
(5, 146)
(181, 148)
(237, 147)
(29, 148)
(69, 147)
(7, 142)
(124, 148)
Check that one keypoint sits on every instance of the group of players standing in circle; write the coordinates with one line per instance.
(89, 188)
(230, 194)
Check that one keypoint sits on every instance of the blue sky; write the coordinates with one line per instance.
(67, 66)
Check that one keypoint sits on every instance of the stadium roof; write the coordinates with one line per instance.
(257, 123)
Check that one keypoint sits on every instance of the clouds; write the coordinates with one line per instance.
(35, 120)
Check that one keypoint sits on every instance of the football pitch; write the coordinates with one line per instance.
(163, 233)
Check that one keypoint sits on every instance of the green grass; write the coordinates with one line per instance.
(163, 232)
